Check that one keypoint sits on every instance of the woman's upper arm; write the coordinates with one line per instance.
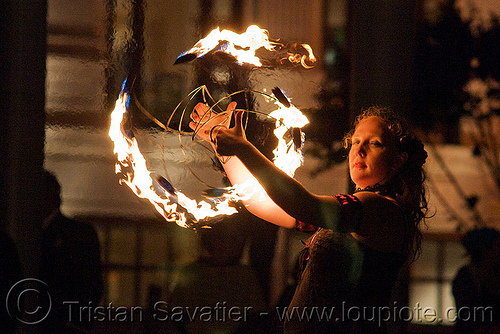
(340, 213)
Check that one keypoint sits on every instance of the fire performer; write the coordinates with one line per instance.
(360, 241)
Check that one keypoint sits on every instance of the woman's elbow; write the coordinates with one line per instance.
(289, 223)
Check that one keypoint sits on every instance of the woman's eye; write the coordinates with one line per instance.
(376, 143)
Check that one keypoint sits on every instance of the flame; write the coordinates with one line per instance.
(310, 57)
(171, 203)
(289, 121)
(243, 47)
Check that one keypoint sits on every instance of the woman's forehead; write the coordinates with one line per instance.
(371, 125)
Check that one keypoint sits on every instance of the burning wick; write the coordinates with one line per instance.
(241, 46)
(244, 46)
(281, 97)
(167, 186)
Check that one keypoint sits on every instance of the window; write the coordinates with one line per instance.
(431, 278)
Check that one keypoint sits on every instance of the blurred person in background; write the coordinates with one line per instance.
(476, 286)
(70, 265)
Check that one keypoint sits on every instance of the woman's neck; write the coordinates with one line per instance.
(386, 189)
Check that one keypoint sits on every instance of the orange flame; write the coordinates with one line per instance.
(172, 204)
(132, 165)
(243, 47)
(286, 157)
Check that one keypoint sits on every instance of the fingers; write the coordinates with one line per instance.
(201, 107)
(214, 131)
(203, 113)
(204, 121)
(199, 112)
(231, 107)
(199, 116)
(239, 121)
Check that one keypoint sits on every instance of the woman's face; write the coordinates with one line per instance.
(373, 157)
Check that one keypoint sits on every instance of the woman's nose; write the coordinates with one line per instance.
(360, 150)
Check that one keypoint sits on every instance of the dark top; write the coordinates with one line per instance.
(343, 285)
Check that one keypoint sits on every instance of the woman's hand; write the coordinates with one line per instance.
(214, 128)
(231, 141)
(204, 120)
(248, 164)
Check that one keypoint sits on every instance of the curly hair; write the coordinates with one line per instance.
(408, 183)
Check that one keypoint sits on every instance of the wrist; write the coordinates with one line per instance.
(242, 148)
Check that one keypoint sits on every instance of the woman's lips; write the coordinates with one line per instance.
(359, 165)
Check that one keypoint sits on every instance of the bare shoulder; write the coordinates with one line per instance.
(383, 224)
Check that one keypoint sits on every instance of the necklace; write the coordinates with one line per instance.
(386, 189)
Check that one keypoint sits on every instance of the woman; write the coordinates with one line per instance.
(360, 241)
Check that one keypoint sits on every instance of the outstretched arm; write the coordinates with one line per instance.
(261, 206)
(206, 123)
(287, 199)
